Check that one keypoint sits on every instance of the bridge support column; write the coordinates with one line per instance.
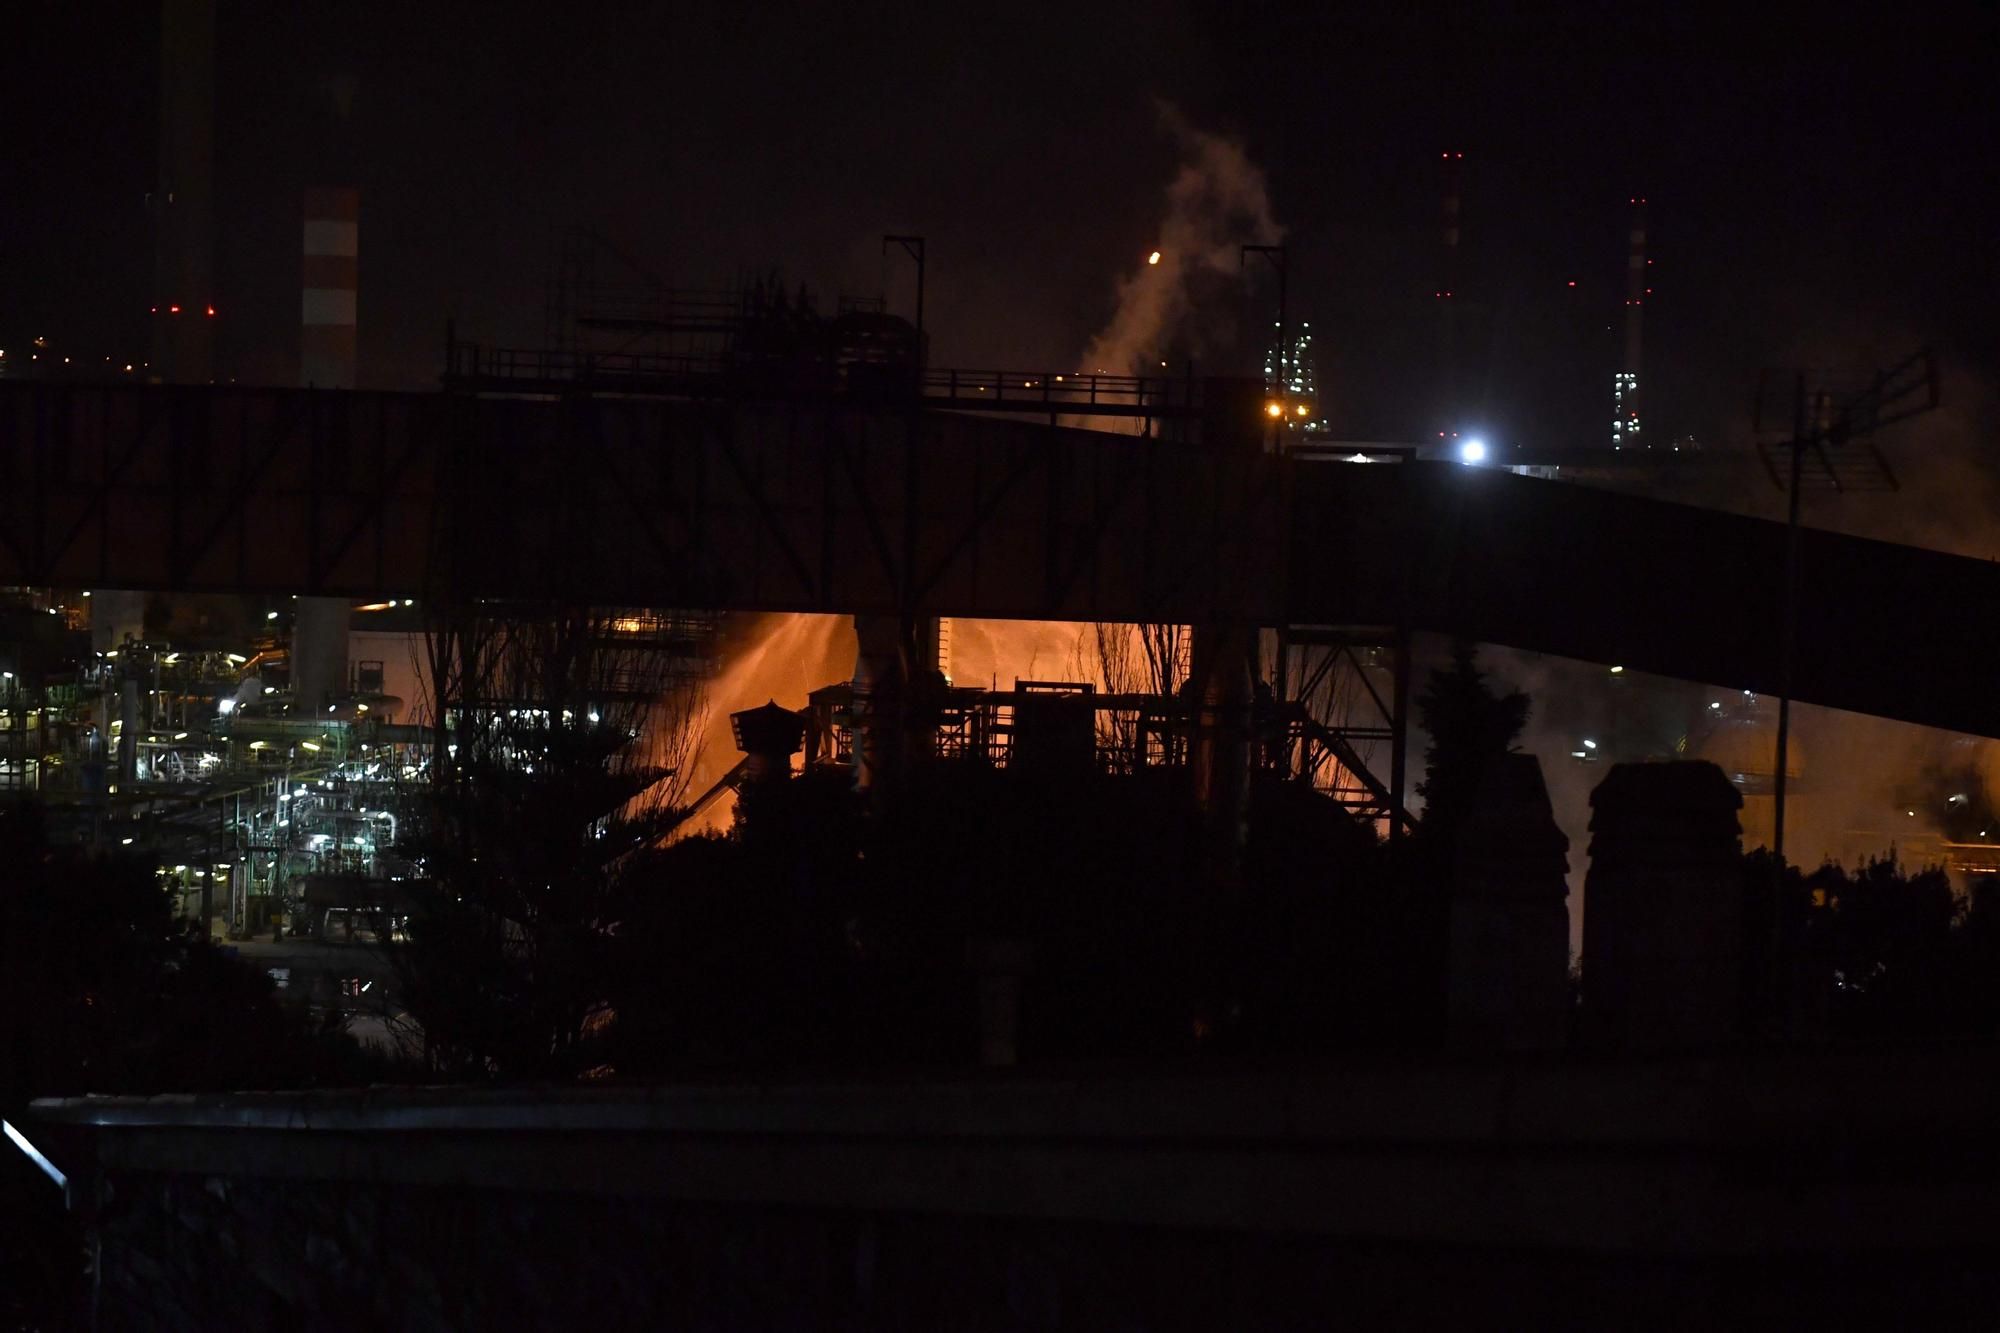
(896, 663)
(1220, 685)
(319, 652)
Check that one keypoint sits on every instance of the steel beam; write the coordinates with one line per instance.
(782, 506)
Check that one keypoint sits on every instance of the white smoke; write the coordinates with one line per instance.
(1217, 203)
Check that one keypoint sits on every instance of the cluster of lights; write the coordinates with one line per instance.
(1625, 421)
(1288, 375)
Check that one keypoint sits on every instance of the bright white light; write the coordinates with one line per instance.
(34, 1154)
(270, 615)
(593, 715)
(124, 842)
(1590, 745)
(1616, 670)
(1153, 258)
(225, 706)
(1472, 451)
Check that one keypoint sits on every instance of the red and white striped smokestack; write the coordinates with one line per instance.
(1625, 404)
(326, 361)
(332, 248)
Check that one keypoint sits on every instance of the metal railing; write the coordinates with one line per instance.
(470, 365)
(1081, 393)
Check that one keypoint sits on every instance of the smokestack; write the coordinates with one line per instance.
(1625, 387)
(332, 247)
(183, 250)
(183, 236)
(326, 361)
(1446, 294)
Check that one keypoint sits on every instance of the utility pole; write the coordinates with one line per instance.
(1277, 258)
(1831, 446)
(913, 246)
(1789, 631)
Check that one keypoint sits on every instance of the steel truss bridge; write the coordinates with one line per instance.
(819, 504)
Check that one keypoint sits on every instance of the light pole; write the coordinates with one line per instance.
(913, 246)
(1277, 258)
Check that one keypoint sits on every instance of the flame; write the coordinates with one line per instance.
(782, 659)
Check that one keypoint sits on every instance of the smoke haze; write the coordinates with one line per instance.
(1217, 203)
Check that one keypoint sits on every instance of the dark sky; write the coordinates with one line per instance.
(1820, 181)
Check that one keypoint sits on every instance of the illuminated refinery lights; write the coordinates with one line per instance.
(1288, 374)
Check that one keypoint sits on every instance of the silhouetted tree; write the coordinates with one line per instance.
(99, 994)
(1469, 724)
(1877, 951)
(563, 746)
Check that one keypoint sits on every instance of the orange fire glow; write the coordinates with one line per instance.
(785, 657)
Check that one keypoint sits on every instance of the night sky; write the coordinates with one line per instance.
(1820, 181)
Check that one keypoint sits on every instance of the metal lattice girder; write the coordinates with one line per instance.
(776, 506)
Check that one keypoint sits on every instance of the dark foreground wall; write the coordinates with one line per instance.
(263, 1255)
(1670, 1195)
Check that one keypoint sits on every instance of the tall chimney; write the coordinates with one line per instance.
(183, 226)
(332, 247)
(1625, 387)
(326, 361)
(1446, 296)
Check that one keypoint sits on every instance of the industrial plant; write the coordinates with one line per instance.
(1151, 757)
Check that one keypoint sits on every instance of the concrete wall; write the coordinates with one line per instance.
(1667, 1194)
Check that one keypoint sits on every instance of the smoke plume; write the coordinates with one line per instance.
(1217, 203)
